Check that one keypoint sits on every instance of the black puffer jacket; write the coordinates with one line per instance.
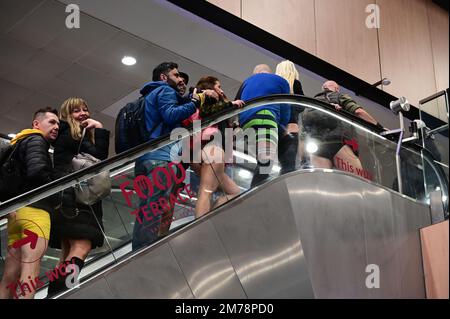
(77, 221)
(37, 168)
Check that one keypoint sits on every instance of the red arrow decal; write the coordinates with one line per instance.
(353, 143)
(31, 238)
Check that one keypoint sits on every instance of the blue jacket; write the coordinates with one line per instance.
(165, 108)
(265, 84)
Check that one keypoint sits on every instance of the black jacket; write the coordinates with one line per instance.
(37, 168)
(296, 110)
(74, 220)
(66, 147)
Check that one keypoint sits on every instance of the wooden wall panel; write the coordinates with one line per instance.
(438, 20)
(344, 40)
(405, 49)
(232, 6)
(411, 47)
(290, 20)
(435, 260)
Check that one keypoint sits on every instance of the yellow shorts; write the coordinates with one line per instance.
(33, 219)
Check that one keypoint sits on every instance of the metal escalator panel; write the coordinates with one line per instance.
(316, 238)
(150, 200)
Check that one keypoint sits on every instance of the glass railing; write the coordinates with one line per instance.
(435, 138)
(151, 198)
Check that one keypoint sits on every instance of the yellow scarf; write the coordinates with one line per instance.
(25, 133)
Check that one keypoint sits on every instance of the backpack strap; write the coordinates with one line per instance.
(16, 147)
(13, 152)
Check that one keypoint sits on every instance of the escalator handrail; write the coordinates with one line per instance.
(132, 154)
(428, 156)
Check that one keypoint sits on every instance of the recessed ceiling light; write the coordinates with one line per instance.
(128, 60)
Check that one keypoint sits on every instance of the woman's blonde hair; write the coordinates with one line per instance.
(65, 114)
(287, 70)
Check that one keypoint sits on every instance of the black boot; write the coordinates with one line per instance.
(77, 261)
(59, 285)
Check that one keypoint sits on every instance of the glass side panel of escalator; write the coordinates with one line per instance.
(151, 197)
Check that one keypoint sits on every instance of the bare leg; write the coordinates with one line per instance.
(75, 251)
(266, 153)
(31, 264)
(166, 221)
(208, 185)
(320, 162)
(230, 189)
(349, 158)
(11, 273)
(79, 248)
(212, 176)
(196, 167)
(65, 249)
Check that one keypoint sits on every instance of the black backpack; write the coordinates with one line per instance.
(10, 172)
(130, 130)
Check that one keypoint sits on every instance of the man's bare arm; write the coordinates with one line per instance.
(361, 113)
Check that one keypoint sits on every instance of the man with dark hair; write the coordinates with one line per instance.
(182, 87)
(185, 77)
(33, 221)
(163, 68)
(41, 113)
(165, 109)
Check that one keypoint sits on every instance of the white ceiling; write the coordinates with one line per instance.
(42, 63)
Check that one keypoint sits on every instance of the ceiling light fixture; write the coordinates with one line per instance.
(128, 60)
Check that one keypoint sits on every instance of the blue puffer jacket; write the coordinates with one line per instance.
(165, 108)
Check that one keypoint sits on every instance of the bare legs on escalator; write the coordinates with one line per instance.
(74, 251)
(266, 156)
(212, 177)
(22, 267)
(345, 154)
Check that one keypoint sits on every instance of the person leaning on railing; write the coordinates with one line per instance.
(165, 109)
(288, 144)
(76, 228)
(335, 139)
(268, 121)
(33, 221)
(212, 167)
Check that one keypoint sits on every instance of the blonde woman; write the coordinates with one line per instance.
(76, 228)
(288, 144)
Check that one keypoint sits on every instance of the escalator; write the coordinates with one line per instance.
(316, 232)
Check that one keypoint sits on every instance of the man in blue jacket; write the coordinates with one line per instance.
(165, 109)
(268, 121)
